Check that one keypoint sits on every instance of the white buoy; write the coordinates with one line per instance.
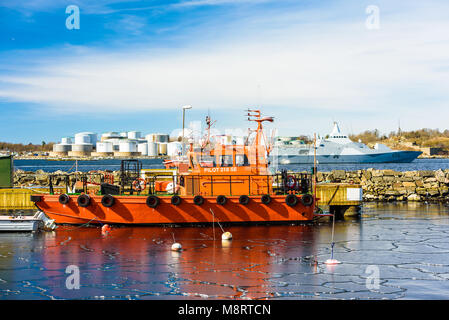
(332, 261)
(226, 236)
(176, 246)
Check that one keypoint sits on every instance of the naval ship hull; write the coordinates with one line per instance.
(387, 157)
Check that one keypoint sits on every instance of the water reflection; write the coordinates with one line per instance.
(408, 243)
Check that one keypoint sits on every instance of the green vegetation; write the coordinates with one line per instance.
(19, 147)
(423, 137)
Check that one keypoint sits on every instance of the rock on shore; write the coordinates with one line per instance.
(390, 185)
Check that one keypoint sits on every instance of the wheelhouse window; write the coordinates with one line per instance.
(225, 160)
(241, 160)
(207, 161)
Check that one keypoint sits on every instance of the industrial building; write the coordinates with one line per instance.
(116, 144)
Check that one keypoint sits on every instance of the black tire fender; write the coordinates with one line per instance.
(307, 200)
(63, 199)
(198, 200)
(221, 200)
(83, 200)
(152, 201)
(107, 201)
(244, 199)
(176, 200)
(265, 199)
(291, 200)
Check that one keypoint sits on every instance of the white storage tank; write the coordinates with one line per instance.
(134, 134)
(163, 148)
(86, 147)
(124, 134)
(82, 138)
(174, 148)
(153, 149)
(60, 147)
(128, 146)
(143, 149)
(66, 140)
(105, 147)
(157, 137)
(86, 137)
(110, 135)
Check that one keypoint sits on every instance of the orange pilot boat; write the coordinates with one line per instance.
(212, 182)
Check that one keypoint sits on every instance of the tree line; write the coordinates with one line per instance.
(20, 147)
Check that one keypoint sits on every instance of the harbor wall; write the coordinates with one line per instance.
(390, 185)
(377, 185)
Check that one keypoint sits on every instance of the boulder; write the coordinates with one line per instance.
(339, 174)
(367, 174)
(413, 197)
(426, 173)
(409, 184)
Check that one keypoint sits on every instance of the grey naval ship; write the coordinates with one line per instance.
(338, 148)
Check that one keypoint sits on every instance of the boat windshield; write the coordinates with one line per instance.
(241, 160)
(226, 160)
(206, 161)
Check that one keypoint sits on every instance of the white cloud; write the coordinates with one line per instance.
(324, 63)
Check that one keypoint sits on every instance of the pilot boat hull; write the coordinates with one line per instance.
(134, 210)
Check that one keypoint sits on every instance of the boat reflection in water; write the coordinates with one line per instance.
(133, 262)
(406, 243)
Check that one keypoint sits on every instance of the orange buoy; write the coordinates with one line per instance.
(105, 229)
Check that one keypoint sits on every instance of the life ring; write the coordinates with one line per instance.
(244, 199)
(291, 200)
(152, 201)
(265, 199)
(63, 199)
(289, 185)
(198, 200)
(83, 200)
(221, 200)
(107, 201)
(176, 200)
(307, 200)
(139, 184)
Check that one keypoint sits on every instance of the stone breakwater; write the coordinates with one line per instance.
(377, 185)
(390, 185)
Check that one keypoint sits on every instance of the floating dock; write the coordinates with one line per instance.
(341, 199)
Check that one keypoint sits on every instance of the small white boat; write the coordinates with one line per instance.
(26, 223)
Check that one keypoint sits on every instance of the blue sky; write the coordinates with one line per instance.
(133, 64)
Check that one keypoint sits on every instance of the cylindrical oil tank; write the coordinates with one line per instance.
(153, 149)
(93, 138)
(82, 138)
(163, 148)
(143, 149)
(62, 147)
(124, 134)
(128, 146)
(157, 137)
(86, 137)
(174, 148)
(66, 140)
(134, 134)
(110, 135)
(105, 147)
(86, 147)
